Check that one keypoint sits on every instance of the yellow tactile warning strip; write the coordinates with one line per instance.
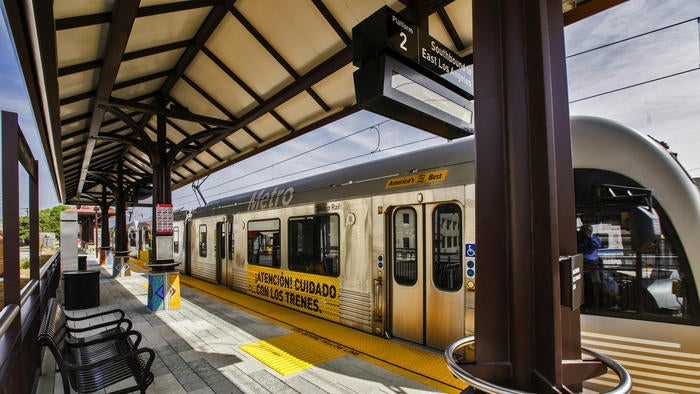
(291, 353)
(414, 363)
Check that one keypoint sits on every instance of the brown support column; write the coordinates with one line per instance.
(163, 275)
(524, 196)
(162, 193)
(85, 231)
(105, 245)
(10, 210)
(121, 266)
(34, 221)
(94, 232)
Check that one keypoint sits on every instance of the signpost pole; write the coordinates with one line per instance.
(163, 280)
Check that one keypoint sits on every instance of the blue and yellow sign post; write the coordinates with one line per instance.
(163, 290)
(120, 264)
(163, 280)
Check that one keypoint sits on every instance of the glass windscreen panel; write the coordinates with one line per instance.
(652, 282)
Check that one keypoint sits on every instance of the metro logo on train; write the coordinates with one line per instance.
(263, 199)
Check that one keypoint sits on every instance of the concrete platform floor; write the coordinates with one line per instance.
(199, 349)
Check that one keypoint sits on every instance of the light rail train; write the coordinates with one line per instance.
(139, 238)
(388, 247)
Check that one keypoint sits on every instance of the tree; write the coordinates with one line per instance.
(49, 222)
(24, 229)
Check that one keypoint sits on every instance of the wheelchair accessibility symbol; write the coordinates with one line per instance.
(470, 250)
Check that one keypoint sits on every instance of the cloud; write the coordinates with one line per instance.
(14, 98)
(665, 109)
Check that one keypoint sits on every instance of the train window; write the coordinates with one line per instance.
(264, 242)
(132, 239)
(405, 247)
(202, 240)
(221, 244)
(176, 239)
(147, 239)
(624, 277)
(314, 244)
(447, 255)
(231, 240)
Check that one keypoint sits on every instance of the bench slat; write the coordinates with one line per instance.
(97, 361)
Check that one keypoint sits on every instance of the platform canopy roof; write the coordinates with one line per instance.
(232, 77)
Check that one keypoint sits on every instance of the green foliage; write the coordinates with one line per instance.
(24, 227)
(49, 222)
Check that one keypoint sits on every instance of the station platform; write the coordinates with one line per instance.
(221, 341)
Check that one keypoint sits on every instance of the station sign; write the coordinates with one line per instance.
(388, 30)
(407, 75)
(403, 36)
(442, 61)
(385, 29)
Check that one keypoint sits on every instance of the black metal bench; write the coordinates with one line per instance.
(108, 328)
(97, 361)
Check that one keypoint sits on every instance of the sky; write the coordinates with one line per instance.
(625, 64)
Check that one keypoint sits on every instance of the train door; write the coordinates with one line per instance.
(427, 295)
(224, 252)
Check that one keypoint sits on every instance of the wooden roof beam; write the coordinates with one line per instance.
(333, 64)
(75, 22)
(123, 16)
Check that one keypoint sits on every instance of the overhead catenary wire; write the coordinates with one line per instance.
(679, 73)
(635, 85)
(299, 154)
(328, 164)
(230, 191)
(697, 19)
(374, 126)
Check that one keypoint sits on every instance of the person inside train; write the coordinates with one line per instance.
(316, 267)
(598, 281)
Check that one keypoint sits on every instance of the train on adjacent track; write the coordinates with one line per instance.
(388, 247)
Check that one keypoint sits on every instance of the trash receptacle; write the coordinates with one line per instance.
(81, 289)
(82, 262)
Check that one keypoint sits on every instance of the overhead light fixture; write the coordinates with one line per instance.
(391, 88)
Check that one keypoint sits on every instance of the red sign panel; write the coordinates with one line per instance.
(164, 219)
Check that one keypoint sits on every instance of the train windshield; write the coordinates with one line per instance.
(623, 275)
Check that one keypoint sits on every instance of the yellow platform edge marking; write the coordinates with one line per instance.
(413, 363)
(291, 353)
(408, 361)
